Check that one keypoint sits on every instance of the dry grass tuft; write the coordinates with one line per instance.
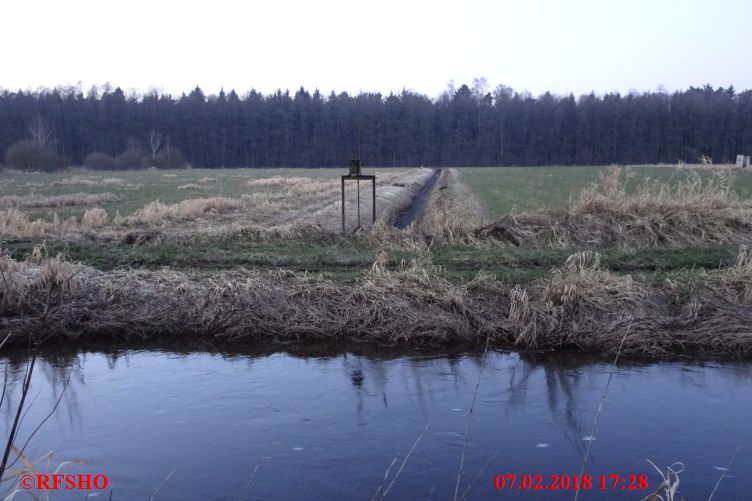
(523, 318)
(33, 201)
(94, 217)
(190, 186)
(156, 212)
(57, 274)
(18, 279)
(609, 194)
(207, 180)
(14, 283)
(34, 467)
(448, 219)
(17, 224)
(211, 235)
(280, 181)
(739, 277)
(89, 181)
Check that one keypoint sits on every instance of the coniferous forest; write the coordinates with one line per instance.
(465, 126)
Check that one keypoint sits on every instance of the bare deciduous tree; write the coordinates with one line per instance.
(41, 132)
(155, 141)
(480, 88)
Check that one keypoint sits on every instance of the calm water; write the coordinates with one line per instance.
(327, 426)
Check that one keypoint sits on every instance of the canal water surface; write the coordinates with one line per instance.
(328, 425)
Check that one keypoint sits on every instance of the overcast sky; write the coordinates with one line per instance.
(381, 46)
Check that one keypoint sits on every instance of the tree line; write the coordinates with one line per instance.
(468, 125)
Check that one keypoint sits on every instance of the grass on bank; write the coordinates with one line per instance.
(347, 259)
(621, 209)
(501, 190)
(578, 304)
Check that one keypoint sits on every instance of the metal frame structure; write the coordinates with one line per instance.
(355, 166)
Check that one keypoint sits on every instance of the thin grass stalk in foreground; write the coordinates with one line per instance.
(14, 429)
(469, 418)
(405, 460)
(594, 431)
(477, 475)
(163, 482)
(39, 426)
(670, 483)
(379, 494)
(249, 484)
(723, 473)
(5, 385)
(8, 336)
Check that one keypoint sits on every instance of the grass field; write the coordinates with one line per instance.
(132, 189)
(499, 189)
(504, 189)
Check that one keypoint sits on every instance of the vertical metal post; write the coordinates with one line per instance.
(373, 199)
(358, 202)
(343, 205)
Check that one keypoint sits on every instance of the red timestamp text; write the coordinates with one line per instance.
(606, 482)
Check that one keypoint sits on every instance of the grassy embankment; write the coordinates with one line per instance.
(350, 259)
(664, 254)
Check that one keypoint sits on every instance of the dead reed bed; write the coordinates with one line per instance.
(91, 181)
(33, 201)
(17, 224)
(157, 212)
(610, 194)
(190, 186)
(214, 234)
(692, 211)
(94, 217)
(281, 181)
(293, 199)
(299, 206)
(447, 218)
(580, 305)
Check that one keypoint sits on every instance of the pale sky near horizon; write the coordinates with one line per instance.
(536, 45)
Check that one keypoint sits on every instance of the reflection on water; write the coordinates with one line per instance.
(326, 424)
